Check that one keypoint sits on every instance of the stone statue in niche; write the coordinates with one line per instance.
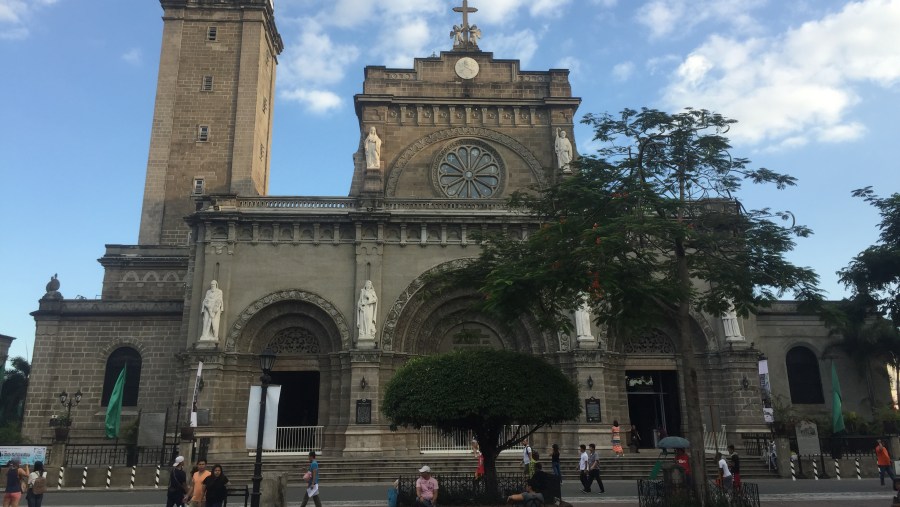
(583, 321)
(563, 148)
(732, 327)
(366, 312)
(373, 150)
(211, 312)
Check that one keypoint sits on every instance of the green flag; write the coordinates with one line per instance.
(837, 413)
(114, 408)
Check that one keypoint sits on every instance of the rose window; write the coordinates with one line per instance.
(469, 171)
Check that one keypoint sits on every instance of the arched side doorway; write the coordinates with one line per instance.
(652, 385)
(304, 332)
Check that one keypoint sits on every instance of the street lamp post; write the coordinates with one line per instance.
(266, 362)
(67, 402)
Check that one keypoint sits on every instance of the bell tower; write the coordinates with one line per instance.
(212, 120)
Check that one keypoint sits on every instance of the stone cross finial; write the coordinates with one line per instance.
(464, 28)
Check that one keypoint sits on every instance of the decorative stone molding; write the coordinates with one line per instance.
(652, 342)
(287, 295)
(400, 163)
(294, 341)
(122, 341)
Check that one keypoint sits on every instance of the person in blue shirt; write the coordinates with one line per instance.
(312, 482)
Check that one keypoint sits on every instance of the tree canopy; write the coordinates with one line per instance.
(648, 229)
(482, 391)
(13, 391)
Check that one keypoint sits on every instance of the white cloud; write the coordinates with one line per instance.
(315, 59)
(133, 56)
(547, 8)
(17, 15)
(316, 101)
(407, 40)
(520, 45)
(801, 86)
(571, 63)
(607, 4)
(623, 71)
(664, 17)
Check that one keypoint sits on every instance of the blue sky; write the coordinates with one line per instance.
(813, 83)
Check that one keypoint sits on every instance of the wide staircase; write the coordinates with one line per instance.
(387, 469)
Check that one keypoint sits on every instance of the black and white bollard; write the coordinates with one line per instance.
(84, 478)
(815, 469)
(133, 473)
(858, 474)
(108, 476)
(837, 469)
(793, 470)
(157, 477)
(62, 472)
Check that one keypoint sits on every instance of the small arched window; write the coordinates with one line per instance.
(803, 376)
(123, 357)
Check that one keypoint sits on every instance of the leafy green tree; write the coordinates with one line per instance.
(483, 391)
(647, 231)
(13, 391)
(873, 277)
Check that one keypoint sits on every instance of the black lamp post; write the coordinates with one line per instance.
(266, 362)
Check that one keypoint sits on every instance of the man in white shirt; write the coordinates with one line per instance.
(725, 477)
(526, 456)
(583, 468)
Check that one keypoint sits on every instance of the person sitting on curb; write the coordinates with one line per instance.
(528, 498)
(426, 488)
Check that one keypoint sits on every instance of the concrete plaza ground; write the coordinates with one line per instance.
(773, 492)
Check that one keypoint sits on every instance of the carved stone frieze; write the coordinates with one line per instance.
(294, 341)
(651, 342)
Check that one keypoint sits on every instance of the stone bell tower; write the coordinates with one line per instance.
(212, 120)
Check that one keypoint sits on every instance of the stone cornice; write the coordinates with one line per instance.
(103, 308)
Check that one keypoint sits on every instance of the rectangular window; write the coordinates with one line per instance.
(211, 33)
(203, 133)
(198, 186)
(207, 84)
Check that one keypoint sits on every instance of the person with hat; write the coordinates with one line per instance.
(14, 478)
(312, 482)
(177, 484)
(426, 488)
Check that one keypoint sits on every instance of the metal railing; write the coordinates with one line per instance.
(460, 489)
(716, 441)
(112, 454)
(433, 440)
(297, 439)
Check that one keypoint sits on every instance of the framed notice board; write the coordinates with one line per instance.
(592, 409)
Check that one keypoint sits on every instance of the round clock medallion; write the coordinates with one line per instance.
(466, 68)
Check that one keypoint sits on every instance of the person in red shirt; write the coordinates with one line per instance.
(884, 462)
(684, 461)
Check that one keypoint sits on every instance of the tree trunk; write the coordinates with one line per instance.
(488, 445)
(691, 393)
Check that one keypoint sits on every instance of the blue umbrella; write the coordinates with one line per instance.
(673, 443)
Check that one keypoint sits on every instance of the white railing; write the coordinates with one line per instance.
(715, 441)
(297, 439)
(432, 440)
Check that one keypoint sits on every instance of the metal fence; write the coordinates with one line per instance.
(297, 439)
(659, 494)
(433, 440)
(113, 454)
(460, 489)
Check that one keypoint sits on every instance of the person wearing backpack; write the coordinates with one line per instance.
(37, 485)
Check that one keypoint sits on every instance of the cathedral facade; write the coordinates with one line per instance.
(336, 287)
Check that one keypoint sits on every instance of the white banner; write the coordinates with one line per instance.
(26, 454)
(273, 394)
(197, 380)
(765, 389)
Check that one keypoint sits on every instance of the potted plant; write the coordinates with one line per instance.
(60, 424)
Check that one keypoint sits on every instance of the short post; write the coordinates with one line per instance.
(157, 476)
(133, 473)
(793, 470)
(62, 471)
(815, 469)
(858, 474)
(108, 475)
(837, 469)
(84, 478)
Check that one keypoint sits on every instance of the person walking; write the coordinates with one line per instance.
(175, 494)
(37, 485)
(554, 461)
(725, 477)
(312, 482)
(196, 494)
(583, 468)
(526, 457)
(594, 470)
(215, 487)
(635, 436)
(884, 462)
(735, 466)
